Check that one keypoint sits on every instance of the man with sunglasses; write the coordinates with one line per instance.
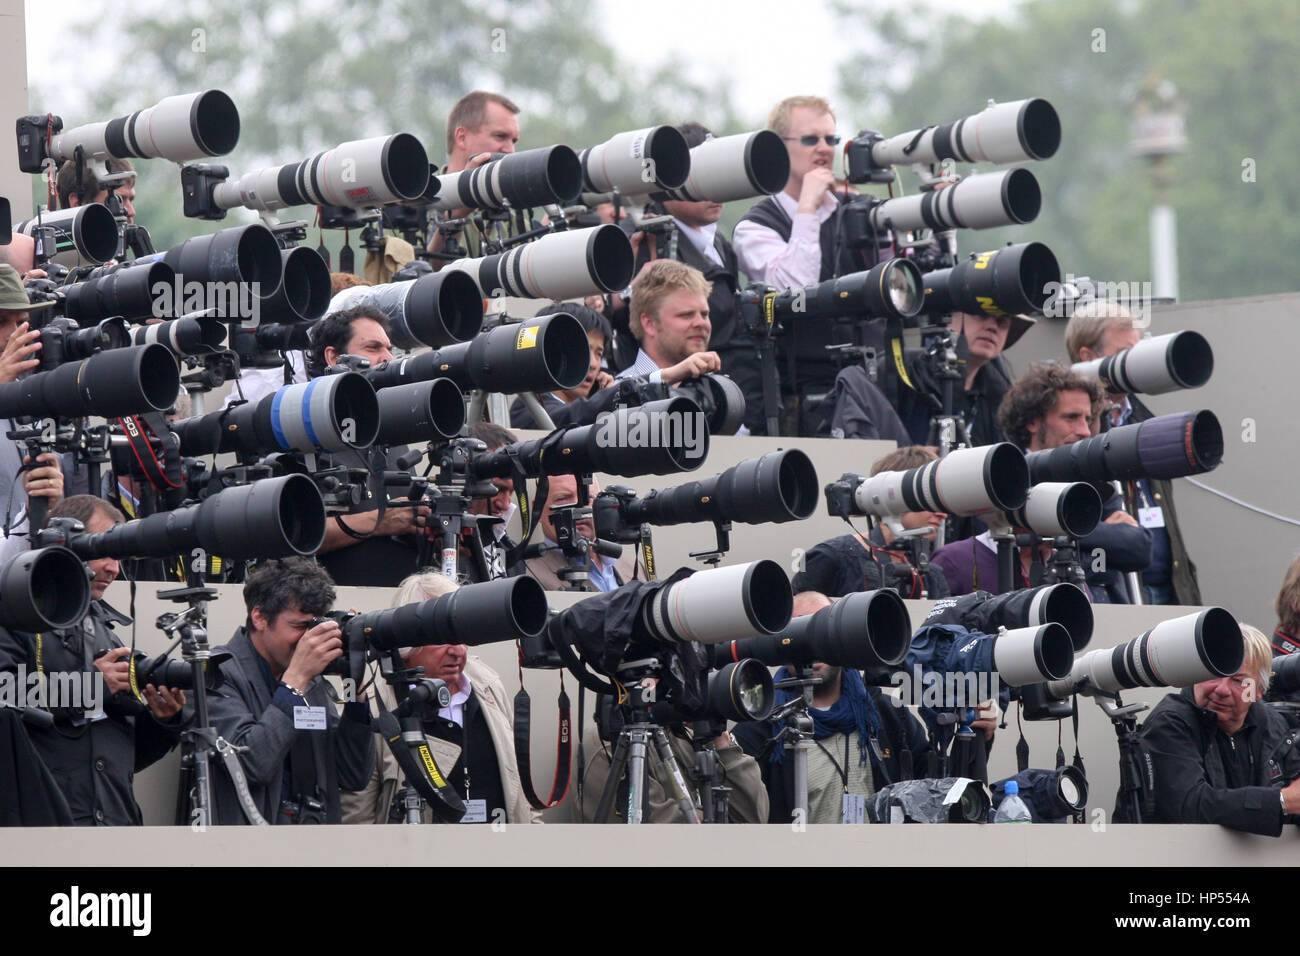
(788, 241)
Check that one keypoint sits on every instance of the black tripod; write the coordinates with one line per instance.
(1134, 789)
(200, 741)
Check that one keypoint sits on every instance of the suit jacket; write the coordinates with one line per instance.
(241, 711)
(545, 568)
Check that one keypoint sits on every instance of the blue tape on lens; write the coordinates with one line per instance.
(275, 420)
(306, 412)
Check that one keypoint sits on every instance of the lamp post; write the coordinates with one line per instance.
(1156, 132)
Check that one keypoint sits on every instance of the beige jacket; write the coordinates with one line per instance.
(371, 805)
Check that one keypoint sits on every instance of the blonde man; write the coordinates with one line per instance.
(1209, 746)
(669, 316)
(473, 736)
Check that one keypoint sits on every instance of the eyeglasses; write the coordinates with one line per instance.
(812, 139)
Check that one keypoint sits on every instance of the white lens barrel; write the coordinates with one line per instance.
(735, 167)
(90, 229)
(637, 162)
(1165, 363)
(562, 265)
(1055, 508)
(1031, 655)
(180, 128)
(1003, 133)
(986, 201)
(722, 604)
(356, 175)
(1189, 649)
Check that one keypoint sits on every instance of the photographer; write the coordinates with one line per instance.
(479, 125)
(669, 315)
(789, 240)
(699, 244)
(858, 733)
(21, 344)
(1209, 747)
(852, 563)
(1097, 330)
(987, 338)
(581, 405)
(500, 505)
(1286, 636)
(1047, 407)
(273, 702)
(73, 193)
(607, 574)
(95, 751)
(477, 727)
(358, 551)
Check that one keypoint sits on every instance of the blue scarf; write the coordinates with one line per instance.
(854, 711)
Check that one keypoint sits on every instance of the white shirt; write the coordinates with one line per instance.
(455, 711)
(644, 365)
(766, 258)
(702, 239)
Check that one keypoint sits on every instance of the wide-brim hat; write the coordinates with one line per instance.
(1020, 324)
(13, 297)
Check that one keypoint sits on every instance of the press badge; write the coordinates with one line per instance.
(308, 718)
(855, 808)
(475, 812)
(1153, 517)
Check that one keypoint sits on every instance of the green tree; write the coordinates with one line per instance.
(308, 76)
(918, 68)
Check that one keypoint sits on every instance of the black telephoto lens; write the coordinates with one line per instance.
(420, 412)
(861, 630)
(1167, 446)
(121, 381)
(1011, 280)
(741, 691)
(43, 590)
(508, 609)
(779, 486)
(271, 518)
(127, 290)
(304, 291)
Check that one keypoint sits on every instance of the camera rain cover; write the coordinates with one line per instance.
(608, 629)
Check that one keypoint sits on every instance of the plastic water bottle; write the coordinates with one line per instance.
(1012, 809)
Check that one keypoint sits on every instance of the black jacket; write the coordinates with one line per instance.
(1125, 547)
(94, 761)
(1183, 742)
(241, 711)
(842, 566)
(899, 730)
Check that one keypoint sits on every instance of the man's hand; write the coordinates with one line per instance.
(44, 481)
(116, 670)
(164, 702)
(988, 719)
(1291, 796)
(399, 518)
(603, 380)
(815, 184)
(17, 356)
(639, 237)
(1121, 517)
(313, 653)
(693, 366)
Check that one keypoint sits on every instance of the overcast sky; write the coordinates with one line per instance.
(751, 45)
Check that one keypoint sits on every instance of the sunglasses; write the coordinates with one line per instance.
(812, 139)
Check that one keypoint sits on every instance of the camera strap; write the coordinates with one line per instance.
(140, 431)
(523, 756)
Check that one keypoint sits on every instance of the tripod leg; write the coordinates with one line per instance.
(679, 782)
(637, 735)
(617, 765)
